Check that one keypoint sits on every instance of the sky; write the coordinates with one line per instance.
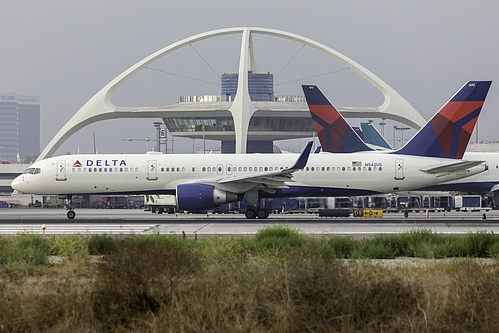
(66, 51)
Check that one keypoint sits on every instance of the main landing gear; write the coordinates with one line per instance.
(69, 206)
(254, 210)
(261, 213)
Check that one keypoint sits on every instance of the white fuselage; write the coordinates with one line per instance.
(325, 174)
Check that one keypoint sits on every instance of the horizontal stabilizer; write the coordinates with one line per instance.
(462, 165)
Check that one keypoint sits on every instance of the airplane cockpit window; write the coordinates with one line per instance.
(33, 171)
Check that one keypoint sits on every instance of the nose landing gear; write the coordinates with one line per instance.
(69, 206)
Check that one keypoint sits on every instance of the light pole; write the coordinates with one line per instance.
(402, 129)
(382, 124)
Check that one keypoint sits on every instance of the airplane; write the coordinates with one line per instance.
(486, 183)
(202, 182)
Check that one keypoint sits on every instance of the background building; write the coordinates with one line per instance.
(19, 127)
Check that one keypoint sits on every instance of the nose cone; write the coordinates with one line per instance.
(16, 184)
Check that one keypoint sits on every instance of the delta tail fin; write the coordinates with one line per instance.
(447, 134)
(335, 135)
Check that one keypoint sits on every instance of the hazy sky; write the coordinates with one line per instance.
(66, 51)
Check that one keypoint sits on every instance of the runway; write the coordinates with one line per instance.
(136, 221)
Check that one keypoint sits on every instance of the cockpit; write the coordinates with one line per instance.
(33, 171)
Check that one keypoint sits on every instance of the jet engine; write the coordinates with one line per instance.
(202, 196)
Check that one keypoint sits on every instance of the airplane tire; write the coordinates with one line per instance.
(263, 213)
(250, 214)
(71, 214)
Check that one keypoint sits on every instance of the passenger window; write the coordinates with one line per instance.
(380, 169)
(204, 169)
(193, 169)
(250, 168)
(136, 169)
(209, 169)
(343, 168)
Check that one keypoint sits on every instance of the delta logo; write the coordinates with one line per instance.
(77, 164)
(106, 163)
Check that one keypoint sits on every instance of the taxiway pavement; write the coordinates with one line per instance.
(136, 221)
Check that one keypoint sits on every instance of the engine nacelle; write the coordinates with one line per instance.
(201, 196)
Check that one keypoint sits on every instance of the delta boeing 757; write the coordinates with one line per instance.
(201, 182)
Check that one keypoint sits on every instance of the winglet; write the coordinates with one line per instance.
(335, 135)
(447, 134)
(302, 159)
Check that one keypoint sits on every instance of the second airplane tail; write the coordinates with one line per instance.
(334, 133)
(447, 134)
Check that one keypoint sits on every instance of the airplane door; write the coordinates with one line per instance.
(60, 173)
(229, 169)
(152, 170)
(399, 169)
(220, 169)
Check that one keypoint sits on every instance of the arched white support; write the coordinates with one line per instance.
(100, 107)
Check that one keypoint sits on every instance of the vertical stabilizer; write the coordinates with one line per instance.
(373, 137)
(335, 135)
(447, 134)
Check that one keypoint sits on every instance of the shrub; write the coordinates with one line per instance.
(342, 247)
(101, 244)
(278, 237)
(70, 246)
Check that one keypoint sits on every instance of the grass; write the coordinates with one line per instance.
(277, 281)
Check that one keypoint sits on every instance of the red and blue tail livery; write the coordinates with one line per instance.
(334, 133)
(448, 132)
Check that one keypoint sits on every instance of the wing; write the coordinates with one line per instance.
(269, 181)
